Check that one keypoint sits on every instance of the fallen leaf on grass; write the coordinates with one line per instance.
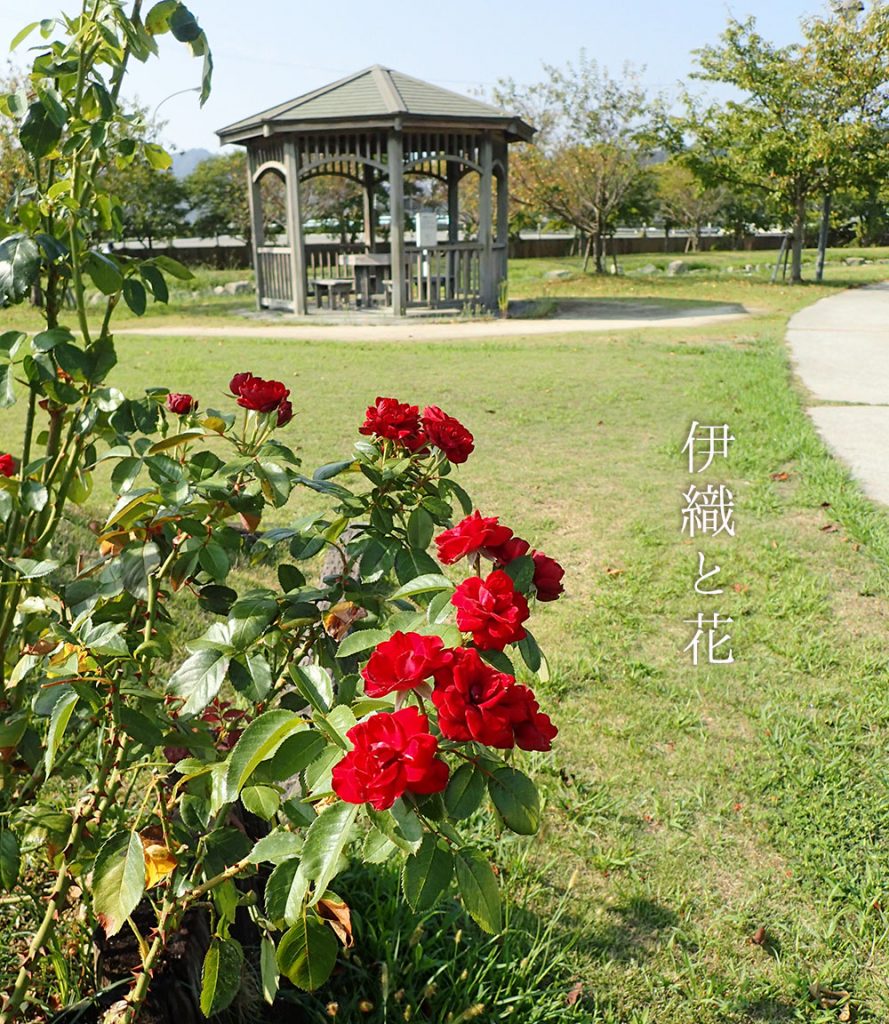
(740, 588)
(780, 476)
(758, 938)
(613, 571)
(574, 993)
(830, 528)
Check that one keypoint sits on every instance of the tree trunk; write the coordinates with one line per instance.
(823, 236)
(799, 232)
(599, 250)
(586, 253)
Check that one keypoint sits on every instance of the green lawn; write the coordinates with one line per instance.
(688, 808)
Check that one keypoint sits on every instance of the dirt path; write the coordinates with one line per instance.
(611, 318)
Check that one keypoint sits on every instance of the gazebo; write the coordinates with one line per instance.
(378, 127)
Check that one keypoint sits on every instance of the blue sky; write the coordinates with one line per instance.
(267, 51)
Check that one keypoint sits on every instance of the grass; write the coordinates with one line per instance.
(696, 809)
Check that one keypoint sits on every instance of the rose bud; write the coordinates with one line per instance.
(180, 404)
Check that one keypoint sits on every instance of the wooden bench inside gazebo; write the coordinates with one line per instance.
(378, 127)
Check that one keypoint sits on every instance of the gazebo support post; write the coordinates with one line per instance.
(370, 220)
(295, 228)
(453, 176)
(502, 218)
(254, 199)
(485, 225)
(395, 151)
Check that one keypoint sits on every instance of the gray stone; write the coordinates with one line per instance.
(749, 268)
(219, 289)
(238, 287)
(649, 268)
(677, 267)
(558, 275)
(854, 261)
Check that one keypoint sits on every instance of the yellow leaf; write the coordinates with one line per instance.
(159, 861)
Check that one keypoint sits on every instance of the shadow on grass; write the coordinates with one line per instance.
(621, 309)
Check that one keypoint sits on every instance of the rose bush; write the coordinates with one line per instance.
(363, 715)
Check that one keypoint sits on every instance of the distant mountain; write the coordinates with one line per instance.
(185, 162)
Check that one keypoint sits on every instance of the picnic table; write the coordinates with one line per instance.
(369, 269)
(335, 288)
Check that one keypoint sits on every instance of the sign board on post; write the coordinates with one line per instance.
(426, 229)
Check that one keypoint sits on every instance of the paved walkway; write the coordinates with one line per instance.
(634, 316)
(840, 348)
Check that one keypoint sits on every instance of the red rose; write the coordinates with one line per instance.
(476, 702)
(401, 663)
(514, 548)
(7, 465)
(394, 420)
(491, 609)
(261, 395)
(392, 753)
(533, 729)
(237, 382)
(547, 576)
(285, 413)
(469, 535)
(470, 697)
(180, 404)
(447, 434)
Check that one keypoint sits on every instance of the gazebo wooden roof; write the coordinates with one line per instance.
(379, 125)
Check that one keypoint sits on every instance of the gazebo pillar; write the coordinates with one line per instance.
(453, 177)
(485, 223)
(370, 219)
(295, 228)
(502, 217)
(395, 151)
(254, 199)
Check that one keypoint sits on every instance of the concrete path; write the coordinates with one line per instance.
(840, 348)
(633, 317)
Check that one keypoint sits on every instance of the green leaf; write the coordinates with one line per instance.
(118, 880)
(173, 267)
(285, 892)
(466, 788)
(521, 572)
(39, 134)
(263, 801)
(326, 842)
(183, 24)
(516, 798)
(19, 266)
(214, 561)
(295, 753)
(313, 683)
(58, 723)
(135, 296)
(260, 740)
(10, 858)
(420, 528)
(7, 386)
(276, 847)
(221, 977)
(275, 481)
(10, 342)
(307, 953)
(427, 874)
(198, 679)
(21, 36)
(268, 970)
(157, 21)
(530, 652)
(34, 495)
(250, 617)
(157, 156)
(361, 640)
(478, 887)
(425, 584)
(499, 660)
(104, 272)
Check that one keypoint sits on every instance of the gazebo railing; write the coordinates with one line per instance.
(274, 282)
(448, 275)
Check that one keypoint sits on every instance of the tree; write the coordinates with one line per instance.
(684, 201)
(153, 201)
(217, 194)
(812, 115)
(589, 165)
(336, 203)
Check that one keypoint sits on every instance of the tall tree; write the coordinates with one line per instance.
(153, 201)
(810, 117)
(589, 164)
(217, 195)
(684, 201)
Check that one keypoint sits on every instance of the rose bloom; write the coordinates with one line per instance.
(181, 404)
(260, 395)
(394, 420)
(285, 413)
(393, 753)
(469, 535)
(7, 465)
(236, 383)
(547, 576)
(402, 662)
(476, 702)
(447, 434)
(491, 609)
(508, 552)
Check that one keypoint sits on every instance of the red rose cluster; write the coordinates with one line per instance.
(484, 535)
(262, 396)
(7, 464)
(397, 421)
(181, 404)
(394, 752)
